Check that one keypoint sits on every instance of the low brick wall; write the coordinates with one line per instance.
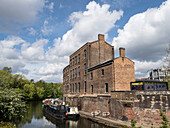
(91, 103)
(141, 106)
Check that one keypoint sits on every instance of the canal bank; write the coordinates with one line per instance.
(105, 120)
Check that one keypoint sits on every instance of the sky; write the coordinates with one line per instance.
(37, 36)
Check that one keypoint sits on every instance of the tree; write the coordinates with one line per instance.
(12, 105)
(40, 92)
(19, 81)
(5, 79)
(32, 80)
(7, 69)
(29, 91)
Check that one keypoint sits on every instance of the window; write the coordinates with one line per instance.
(84, 69)
(79, 58)
(92, 89)
(79, 87)
(70, 88)
(75, 88)
(70, 74)
(71, 62)
(73, 73)
(79, 71)
(102, 72)
(75, 59)
(76, 73)
(85, 88)
(91, 75)
(107, 90)
(84, 53)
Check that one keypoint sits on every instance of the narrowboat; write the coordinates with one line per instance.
(58, 112)
(55, 109)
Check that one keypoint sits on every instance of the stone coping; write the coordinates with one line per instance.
(90, 95)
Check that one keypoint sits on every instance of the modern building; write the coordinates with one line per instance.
(93, 70)
(158, 74)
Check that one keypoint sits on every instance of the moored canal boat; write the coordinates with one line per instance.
(58, 112)
(55, 109)
(72, 113)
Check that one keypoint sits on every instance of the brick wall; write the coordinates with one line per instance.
(99, 81)
(141, 106)
(124, 73)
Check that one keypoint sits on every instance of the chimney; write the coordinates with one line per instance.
(122, 52)
(101, 47)
(113, 56)
(101, 37)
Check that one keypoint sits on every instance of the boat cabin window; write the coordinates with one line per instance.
(62, 108)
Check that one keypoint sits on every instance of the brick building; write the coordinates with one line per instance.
(93, 70)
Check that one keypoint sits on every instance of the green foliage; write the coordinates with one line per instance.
(19, 81)
(40, 92)
(7, 69)
(50, 89)
(133, 123)
(12, 105)
(164, 120)
(29, 91)
(16, 88)
(5, 79)
(6, 125)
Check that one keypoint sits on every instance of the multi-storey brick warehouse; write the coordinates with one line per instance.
(93, 70)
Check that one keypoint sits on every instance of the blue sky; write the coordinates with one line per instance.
(37, 36)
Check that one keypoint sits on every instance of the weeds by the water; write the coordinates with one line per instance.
(6, 125)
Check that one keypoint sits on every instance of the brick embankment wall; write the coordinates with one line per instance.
(141, 106)
(90, 104)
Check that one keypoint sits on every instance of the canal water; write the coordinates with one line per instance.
(35, 118)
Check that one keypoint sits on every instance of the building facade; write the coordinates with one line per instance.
(93, 70)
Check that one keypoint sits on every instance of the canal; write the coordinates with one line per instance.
(35, 118)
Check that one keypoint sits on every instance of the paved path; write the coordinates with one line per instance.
(105, 120)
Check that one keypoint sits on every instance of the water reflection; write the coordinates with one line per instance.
(35, 118)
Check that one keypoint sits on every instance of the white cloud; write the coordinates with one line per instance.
(32, 31)
(46, 30)
(18, 13)
(52, 78)
(7, 47)
(85, 27)
(34, 51)
(11, 41)
(142, 67)
(10, 55)
(146, 35)
(51, 68)
(17, 53)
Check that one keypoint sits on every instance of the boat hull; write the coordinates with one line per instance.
(58, 114)
(72, 116)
